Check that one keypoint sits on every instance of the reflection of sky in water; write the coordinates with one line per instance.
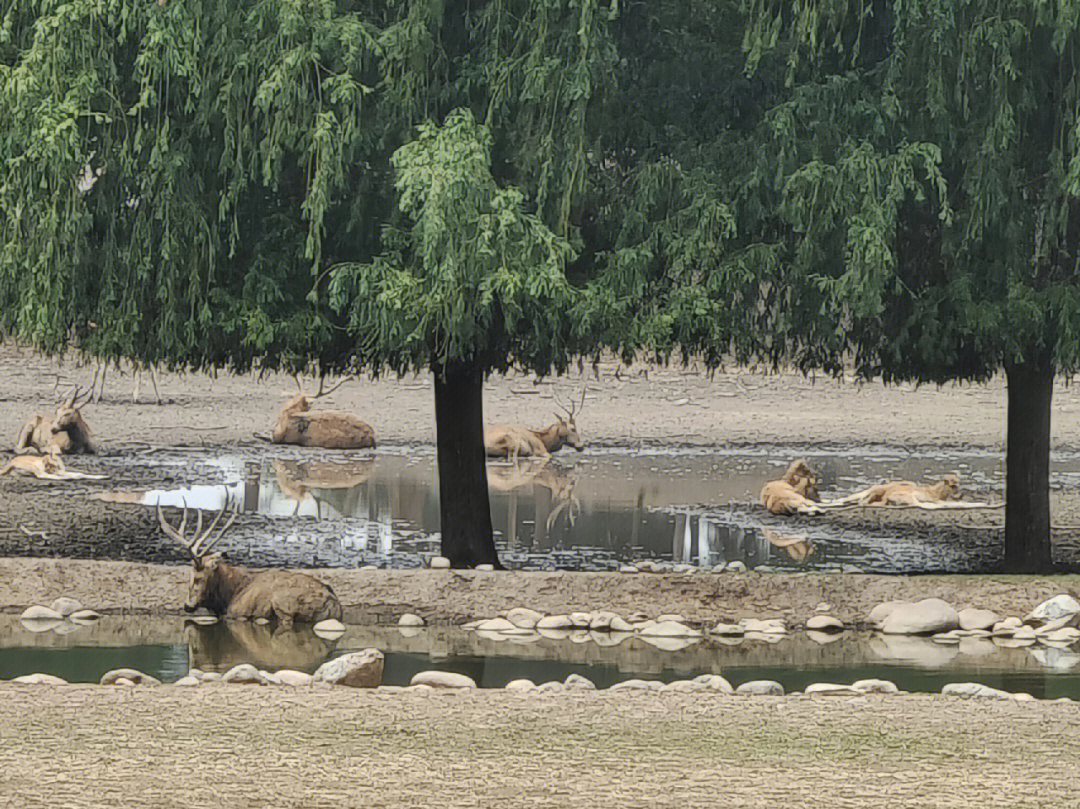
(592, 511)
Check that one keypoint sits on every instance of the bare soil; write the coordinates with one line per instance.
(90, 747)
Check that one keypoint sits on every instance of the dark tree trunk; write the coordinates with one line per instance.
(1027, 465)
(464, 508)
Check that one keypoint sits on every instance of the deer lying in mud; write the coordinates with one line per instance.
(943, 494)
(241, 593)
(298, 424)
(519, 441)
(43, 467)
(64, 433)
(794, 493)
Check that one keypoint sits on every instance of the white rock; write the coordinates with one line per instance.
(608, 639)
(419, 688)
(973, 618)
(628, 569)
(770, 626)
(825, 623)
(1050, 626)
(913, 650)
(357, 670)
(269, 678)
(1023, 697)
(633, 685)
(203, 620)
(470, 625)
(673, 617)
(84, 616)
(110, 677)
(411, 620)
(442, 679)
(439, 563)
(1006, 626)
(580, 620)
(1066, 635)
(40, 613)
(196, 673)
(211, 677)
(921, 618)
(714, 682)
(187, 681)
(978, 690)
(554, 634)
(670, 629)
(830, 690)
(823, 606)
(555, 622)
(330, 628)
(761, 687)
(495, 625)
(876, 617)
(579, 636)
(575, 682)
(946, 637)
(729, 629)
(735, 567)
(524, 618)
(65, 606)
(601, 620)
(682, 686)
(40, 679)
(823, 638)
(1060, 606)
(1024, 633)
(552, 687)
(520, 685)
(619, 624)
(410, 631)
(123, 681)
(244, 674)
(486, 567)
(875, 687)
(668, 644)
(261, 621)
(293, 678)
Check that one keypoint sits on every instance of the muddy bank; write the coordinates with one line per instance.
(455, 596)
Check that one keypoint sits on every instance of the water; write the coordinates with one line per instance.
(589, 511)
(166, 648)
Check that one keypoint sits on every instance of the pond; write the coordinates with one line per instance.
(167, 647)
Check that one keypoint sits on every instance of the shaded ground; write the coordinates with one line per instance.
(252, 747)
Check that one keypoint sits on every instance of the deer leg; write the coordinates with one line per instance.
(153, 381)
(96, 397)
(138, 379)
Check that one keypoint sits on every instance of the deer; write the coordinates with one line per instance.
(240, 593)
(298, 424)
(794, 493)
(65, 433)
(43, 467)
(942, 494)
(519, 441)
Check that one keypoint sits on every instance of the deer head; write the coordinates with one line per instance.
(205, 564)
(67, 416)
(568, 431)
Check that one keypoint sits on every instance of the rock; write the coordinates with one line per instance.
(977, 690)
(673, 617)
(419, 688)
(670, 629)
(442, 679)
(619, 624)
(552, 687)
(822, 638)
(196, 673)
(682, 687)
(1024, 633)
(973, 618)
(825, 623)
(1006, 626)
(947, 637)
(40, 613)
(555, 622)
(439, 563)
(634, 685)
(1054, 609)
(912, 650)
(608, 639)
(261, 621)
(729, 629)
(211, 677)
(40, 679)
(187, 681)
(470, 625)
(823, 606)
(203, 620)
(330, 628)
(409, 619)
(878, 614)
(735, 567)
(553, 634)
(1066, 635)
(123, 681)
(410, 631)
(580, 620)
(921, 618)
(579, 636)
(637, 617)
(714, 682)
(485, 567)
(524, 618)
(495, 625)
(520, 685)
(601, 620)
(770, 626)
(769, 688)
(136, 677)
(669, 644)
(355, 670)
(84, 616)
(575, 682)
(293, 678)
(1023, 697)
(628, 569)
(244, 674)
(875, 687)
(65, 606)
(1050, 626)
(830, 690)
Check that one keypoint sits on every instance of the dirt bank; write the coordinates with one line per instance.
(252, 747)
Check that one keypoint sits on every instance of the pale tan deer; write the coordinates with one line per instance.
(794, 493)
(43, 467)
(942, 494)
(298, 424)
(63, 433)
(519, 441)
(241, 593)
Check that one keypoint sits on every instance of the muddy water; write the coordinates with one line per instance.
(167, 648)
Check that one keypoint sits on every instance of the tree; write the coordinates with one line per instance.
(928, 167)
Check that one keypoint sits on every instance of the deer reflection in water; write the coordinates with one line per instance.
(543, 474)
(313, 481)
(797, 546)
(220, 646)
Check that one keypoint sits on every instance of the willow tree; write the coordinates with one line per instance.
(927, 164)
(182, 182)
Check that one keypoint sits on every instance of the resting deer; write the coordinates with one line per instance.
(794, 493)
(242, 593)
(329, 429)
(518, 441)
(43, 467)
(944, 494)
(64, 433)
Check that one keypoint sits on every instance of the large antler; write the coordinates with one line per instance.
(573, 409)
(202, 543)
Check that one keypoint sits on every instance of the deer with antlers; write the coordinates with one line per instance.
(63, 433)
(298, 424)
(519, 441)
(244, 594)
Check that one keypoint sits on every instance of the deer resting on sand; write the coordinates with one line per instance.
(298, 424)
(43, 467)
(64, 433)
(241, 593)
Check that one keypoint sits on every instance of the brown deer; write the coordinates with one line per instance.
(65, 433)
(519, 441)
(794, 493)
(298, 424)
(241, 593)
(43, 467)
(943, 494)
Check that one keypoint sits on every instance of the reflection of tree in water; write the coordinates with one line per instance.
(220, 646)
(701, 540)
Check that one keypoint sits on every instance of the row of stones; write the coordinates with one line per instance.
(649, 566)
(61, 608)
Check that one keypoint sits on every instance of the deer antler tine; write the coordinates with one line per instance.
(171, 532)
(581, 404)
(322, 393)
(211, 543)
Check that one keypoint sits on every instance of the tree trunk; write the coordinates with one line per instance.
(1027, 465)
(464, 509)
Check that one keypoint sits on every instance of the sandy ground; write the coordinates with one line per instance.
(90, 747)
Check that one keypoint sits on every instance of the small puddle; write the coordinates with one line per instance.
(167, 648)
